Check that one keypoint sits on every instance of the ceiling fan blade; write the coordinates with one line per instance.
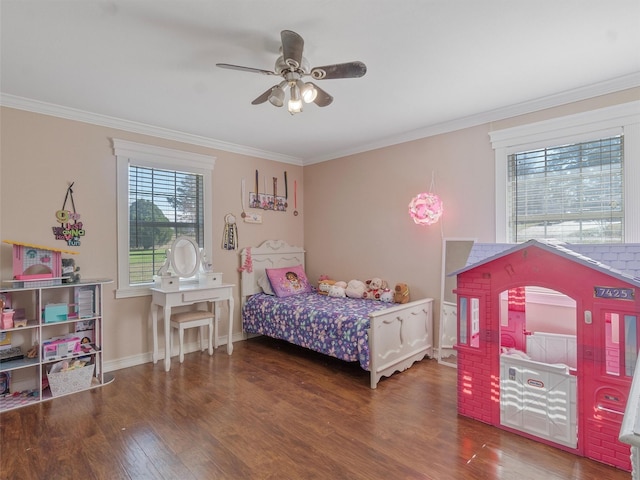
(322, 98)
(262, 98)
(245, 69)
(339, 70)
(292, 46)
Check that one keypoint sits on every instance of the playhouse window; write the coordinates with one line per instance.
(469, 318)
(621, 344)
(162, 194)
(630, 344)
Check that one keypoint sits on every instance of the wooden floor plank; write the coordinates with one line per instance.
(272, 411)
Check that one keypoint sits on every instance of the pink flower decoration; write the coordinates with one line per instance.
(425, 208)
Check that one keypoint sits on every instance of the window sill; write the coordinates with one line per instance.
(131, 292)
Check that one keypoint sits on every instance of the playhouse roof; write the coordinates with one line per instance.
(620, 260)
(40, 247)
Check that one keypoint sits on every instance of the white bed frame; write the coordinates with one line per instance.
(398, 337)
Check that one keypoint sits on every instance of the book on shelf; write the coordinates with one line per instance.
(85, 329)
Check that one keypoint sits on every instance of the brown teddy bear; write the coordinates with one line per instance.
(401, 294)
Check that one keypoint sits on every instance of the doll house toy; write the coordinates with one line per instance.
(557, 370)
(36, 265)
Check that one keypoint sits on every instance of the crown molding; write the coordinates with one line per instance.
(611, 119)
(563, 98)
(583, 93)
(68, 113)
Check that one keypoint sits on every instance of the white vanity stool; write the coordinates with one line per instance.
(195, 318)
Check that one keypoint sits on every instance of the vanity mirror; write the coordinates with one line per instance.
(184, 257)
(183, 261)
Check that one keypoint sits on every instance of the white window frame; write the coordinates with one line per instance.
(130, 153)
(605, 122)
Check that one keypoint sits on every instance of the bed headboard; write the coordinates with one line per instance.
(270, 254)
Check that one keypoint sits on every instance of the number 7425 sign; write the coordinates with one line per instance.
(614, 292)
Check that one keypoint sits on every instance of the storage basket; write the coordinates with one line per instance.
(70, 381)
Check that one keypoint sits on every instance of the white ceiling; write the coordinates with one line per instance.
(433, 65)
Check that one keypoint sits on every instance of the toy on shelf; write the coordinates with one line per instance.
(70, 271)
(37, 265)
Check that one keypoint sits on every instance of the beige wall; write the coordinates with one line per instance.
(41, 154)
(358, 224)
(353, 223)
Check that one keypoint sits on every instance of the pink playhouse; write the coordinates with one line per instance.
(548, 340)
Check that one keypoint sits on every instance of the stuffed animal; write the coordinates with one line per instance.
(386, 296)
(324, 285)
(70, 271)
(337, 289)
(355, 289)
(401, 294)
(374, 288)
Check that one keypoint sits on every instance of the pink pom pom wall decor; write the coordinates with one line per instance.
(425, 208)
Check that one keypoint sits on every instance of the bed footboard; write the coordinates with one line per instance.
(400, 336)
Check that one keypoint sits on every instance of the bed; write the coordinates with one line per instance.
(383, 337)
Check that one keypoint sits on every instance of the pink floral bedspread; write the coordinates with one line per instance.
(333, 326)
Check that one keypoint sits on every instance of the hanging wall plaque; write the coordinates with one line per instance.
(71, 228)
(269, 201)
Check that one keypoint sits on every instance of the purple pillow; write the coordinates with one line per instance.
(288, 281)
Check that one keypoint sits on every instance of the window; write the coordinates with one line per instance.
(163, 205)
(469, 319)
(572, 193)
(571, 178)
(621, 344)
(162, 194)
(463, 321)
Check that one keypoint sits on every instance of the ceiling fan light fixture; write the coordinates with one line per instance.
(307, 91)
(276, 97)
(295, 102)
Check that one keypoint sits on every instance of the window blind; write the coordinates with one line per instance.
(573, 193)
(163, 204)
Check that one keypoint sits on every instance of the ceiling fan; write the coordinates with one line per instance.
(292, 67)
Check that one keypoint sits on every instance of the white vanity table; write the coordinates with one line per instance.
(189, 294)
(179, 287)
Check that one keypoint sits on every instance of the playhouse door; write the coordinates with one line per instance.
(610, 363)
(539, 399)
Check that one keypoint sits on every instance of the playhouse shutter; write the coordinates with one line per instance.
(572, 193)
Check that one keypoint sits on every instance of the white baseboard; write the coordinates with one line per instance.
(147, 357)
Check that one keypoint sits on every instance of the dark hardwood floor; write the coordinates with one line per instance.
(271, 411)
